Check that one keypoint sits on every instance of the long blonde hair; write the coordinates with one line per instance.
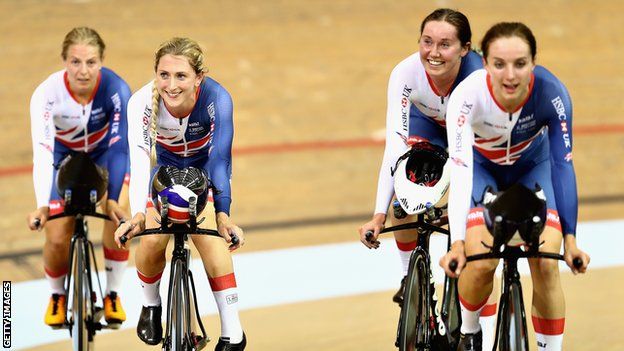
(177, 47)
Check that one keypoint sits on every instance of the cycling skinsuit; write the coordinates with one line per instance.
(202, 140)
(60, 125)
(416, 112)
(532, 145)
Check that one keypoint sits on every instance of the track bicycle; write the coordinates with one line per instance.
(511, 327)
(84, 315)
(422, 326)
(182, 311)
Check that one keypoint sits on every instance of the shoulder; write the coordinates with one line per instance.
(407, 66)
(53, 83)
(472, 62)
(475, 81)
(143, 95)
(211, 90)
(112, 80)
(547, 83)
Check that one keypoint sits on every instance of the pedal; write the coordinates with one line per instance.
(112, 325)
(199, 341)
(59, 326)
(99, 313)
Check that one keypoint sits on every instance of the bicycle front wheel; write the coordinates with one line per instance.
(180, 306)
(81, 300)
(414, 325)
(513, 335)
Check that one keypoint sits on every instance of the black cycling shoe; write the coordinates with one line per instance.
(224, 344)
(470, 342)
(398, 296)
(149, 328)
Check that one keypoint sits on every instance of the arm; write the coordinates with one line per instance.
(397, 116)
(139, 112)
(117, 153)
(220, 168)
(459, 117)
(43, 133)
(460, 139)
(563, 177)
(220, 158)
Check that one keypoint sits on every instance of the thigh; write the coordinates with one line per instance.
(403, 235)
(59, 231)
(154, 243)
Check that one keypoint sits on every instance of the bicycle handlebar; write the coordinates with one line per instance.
(577, 262)
(37, 221)
(179, 230)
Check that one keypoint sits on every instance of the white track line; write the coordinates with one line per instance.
(277, 277)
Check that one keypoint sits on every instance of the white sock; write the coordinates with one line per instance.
(115, 262)
(151, 289)
(405, 252)
(549, 333)
(56, 281)
(226, 295)
(470, 316)
(487, 320)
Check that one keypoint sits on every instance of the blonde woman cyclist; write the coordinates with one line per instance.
(81, 108)
(183, 118)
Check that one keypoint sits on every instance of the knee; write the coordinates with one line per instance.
(483, 268)
(548, 270)
(152, 248)
(57, 240)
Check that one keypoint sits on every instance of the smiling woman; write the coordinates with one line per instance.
(185, 119)
(511, 123)
(418, 92)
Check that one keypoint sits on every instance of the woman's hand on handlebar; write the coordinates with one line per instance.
(116, 213)
(232, 233)
(369, 232)
(129, 229)
(574, 257)
(38, 218)
(454, 260)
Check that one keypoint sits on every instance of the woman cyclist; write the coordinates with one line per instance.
(418, 93)
(511, 123)
(183, 119)
(81, 108)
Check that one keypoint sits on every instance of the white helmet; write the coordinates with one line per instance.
(421, 177)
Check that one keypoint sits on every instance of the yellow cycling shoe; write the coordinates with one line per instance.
(114, 313)
(55, 314)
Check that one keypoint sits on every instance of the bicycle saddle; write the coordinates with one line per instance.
(79, 174)
(515, 216)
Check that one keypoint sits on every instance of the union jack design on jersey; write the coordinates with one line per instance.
(498, 151)
(78, 139)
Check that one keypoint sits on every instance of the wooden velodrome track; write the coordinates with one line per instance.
(302, 73)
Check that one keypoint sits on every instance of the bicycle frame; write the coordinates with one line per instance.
(181, 291)
(84, 320)
(436, 318)
(511, 328)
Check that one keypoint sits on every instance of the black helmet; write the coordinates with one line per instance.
(179, 185)
(79, 174)
(517, 209)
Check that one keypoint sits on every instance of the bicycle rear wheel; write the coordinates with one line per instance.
(513, 330)
(414, 324)
(81, 300)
